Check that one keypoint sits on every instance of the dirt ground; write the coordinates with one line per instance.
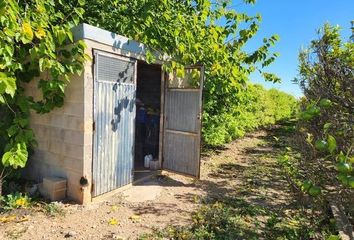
(227, 171)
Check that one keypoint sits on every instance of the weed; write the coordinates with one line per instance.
(14, 201)
(53, 209)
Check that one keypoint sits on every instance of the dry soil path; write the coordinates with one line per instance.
(244, 168)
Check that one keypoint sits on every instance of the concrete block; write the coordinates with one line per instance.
(56, 147)
(76, 82)
(72, 122)
(74, 109)
(75, 193)
(73, 164)
(54, 188)
(74, 137)
(74, 95)
(73, 151)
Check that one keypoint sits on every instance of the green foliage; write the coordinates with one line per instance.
(326, 76)
(237, 219)
(15, 157)
(13, 201)
(32, 39)
(53, 209)
(189, 32)
(257, 107)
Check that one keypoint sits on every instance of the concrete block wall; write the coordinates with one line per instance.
(61, 139)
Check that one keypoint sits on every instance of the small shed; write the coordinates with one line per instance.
(119, 110)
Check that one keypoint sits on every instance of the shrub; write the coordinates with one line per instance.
(326, 75)
(13, 201)
(258, 107)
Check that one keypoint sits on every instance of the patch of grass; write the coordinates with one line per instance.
(234, 218)
(53, 209)
(211, 221)
(239, 215)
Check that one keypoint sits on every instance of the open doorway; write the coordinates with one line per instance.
(148, 111)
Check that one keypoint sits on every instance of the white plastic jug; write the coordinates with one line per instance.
(147, 160)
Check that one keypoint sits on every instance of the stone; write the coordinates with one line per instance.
(70, 234)
(115, 236)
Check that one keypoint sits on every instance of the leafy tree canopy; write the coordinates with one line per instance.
(326, 75)
(32, 36)
(192, 32)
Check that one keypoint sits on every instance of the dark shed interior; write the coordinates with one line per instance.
(148, 106)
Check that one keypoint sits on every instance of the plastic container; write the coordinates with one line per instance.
(147, 160)
(154, 164)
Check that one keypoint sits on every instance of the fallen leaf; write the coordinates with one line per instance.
(8, 218)
(114, 208)
(113, 221)
(135, 218)
(23, 219)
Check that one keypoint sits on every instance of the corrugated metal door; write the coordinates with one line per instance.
(183, 103)
(114, 116)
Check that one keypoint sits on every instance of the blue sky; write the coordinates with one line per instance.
(296, 22)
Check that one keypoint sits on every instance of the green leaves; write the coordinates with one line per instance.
(32, 37)
(346, 179)
(16, 156)
(27, 32)
(7, 84)
(345, 168)
(40, 33)
(325, 103)
(332, 144)
(314, 191)
(308, 187)
(150, 58)
(271, 77)
(180, 72)
(328, 100)
(61, 35)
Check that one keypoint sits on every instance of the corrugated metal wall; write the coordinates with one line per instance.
(182, 108)
(182, 131)
(114, 112)
(180, 153)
